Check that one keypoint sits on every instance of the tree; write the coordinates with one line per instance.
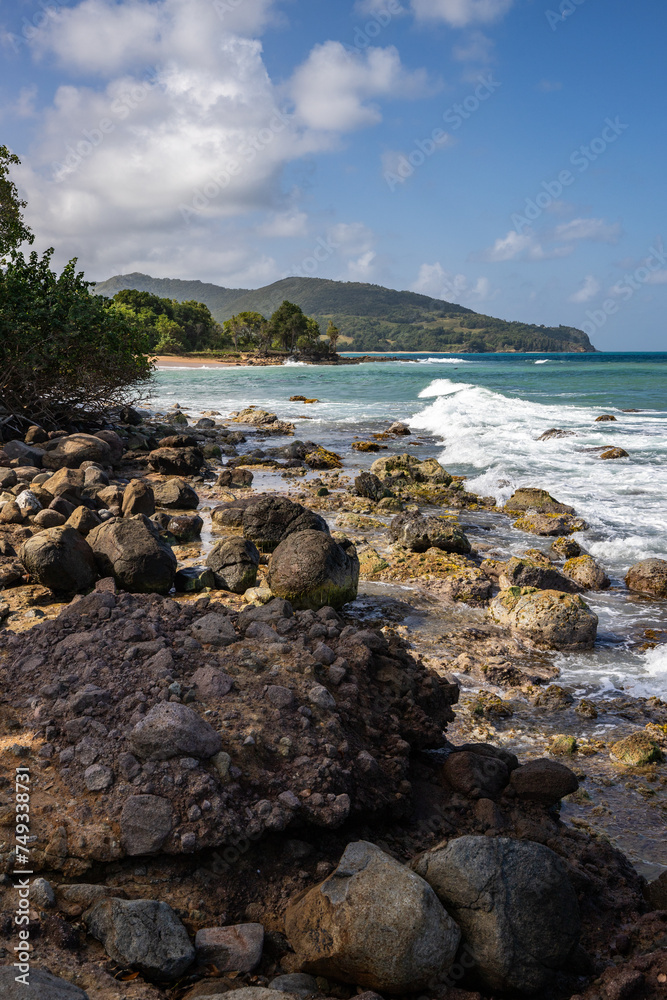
(13, 230)
(249, 328)
(288, 323)
(333, 333)
(64, 353)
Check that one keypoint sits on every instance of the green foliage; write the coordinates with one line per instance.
(13, 230)
(63, 351)
(249, 329)
(171, 326)
(372, 317)
(333, 335)
(289, 325)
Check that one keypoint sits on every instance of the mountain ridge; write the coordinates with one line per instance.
(370, 317)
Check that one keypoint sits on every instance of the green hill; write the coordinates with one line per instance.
(370, 317)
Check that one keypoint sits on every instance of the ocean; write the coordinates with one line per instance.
(481, 416)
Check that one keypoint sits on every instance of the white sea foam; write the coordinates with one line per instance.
(653, 677)
(444, 361)
(544, 361)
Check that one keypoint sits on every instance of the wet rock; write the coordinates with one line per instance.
(322, 458)
(194, 579)
(605, 418)
(231, 949)
(142, 934)
(42, 986)
(648, 577)
(185, 527)
(586, 573)
(563, 744)
(69, 452)
(636, 750)
(145, 823)
(171, 729)
(369, 486)
(311, 570)
(214, 629)
(176, 461)
(398, 428)
(60, 559)
(523, 572)
(234, 562)
(373, 922)
(270, 520)
(132, 552)
(412, 469)
(138, 498)
(514, 903)
(537, 501)
(566, 548)
(555, 432)
(239, 479)
(419, 533)
(612, 453)
(543, 781)
(550, 524)
(175, 494)
(475, 776)
(550, 618)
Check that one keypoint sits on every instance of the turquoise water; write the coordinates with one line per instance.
(482, 415)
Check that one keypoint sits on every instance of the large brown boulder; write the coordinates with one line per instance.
(176, 461)
(648, 577)
(311, 570)
(131, 550)
(234, 562)
(549, 617)
(175, 494)
(539, 501)
(525, 572)
(138, 498)
(586, 573)
(373, 922)
(515, 905)
(270, 520)
(61, 559)
(419, 533)
(69, 452)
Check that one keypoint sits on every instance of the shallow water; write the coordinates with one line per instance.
(482, 415)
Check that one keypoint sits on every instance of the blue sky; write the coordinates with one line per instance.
(505, 154)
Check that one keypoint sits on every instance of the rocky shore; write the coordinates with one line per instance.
(294, 729)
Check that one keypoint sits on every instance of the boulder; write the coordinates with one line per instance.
(171, 729)
(240, 479)
(61, 559)
(231, 949)
(648, 577)
(138, 498)
(185, 527)
(555, 432)
(115, 444)
(270, 520)
(515, 905)
(524, 572)
(175, 494)
(398, 428)
(543, 781)
(611, 453)
(70, 451)
(566, 548)
(83, 519)
(11, 513)
(474, 775)
(369, 486)
(537, 501)
(372, 922)
(132, 551)
(419, 534)
(636, 750)
(142, 934)
(234, 562)
(411, 468)
(311, 570)
(64, 481)
(550, 618)
(586, 573)
(27, 454)
(194, 579)
(43, 986)
(550, 524)
(145, 823)
(176, 461)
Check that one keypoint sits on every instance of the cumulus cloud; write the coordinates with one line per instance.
(335, 88)
(435, 281)
(509, 247)
(588, 290)
(552, 244)
(461, 13)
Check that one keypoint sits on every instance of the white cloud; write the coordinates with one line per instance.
(509, 247)
(476, 48)
(285, 225)
(433, 280)
(334, 88)
(588, 290)
(361, 269)
(595, 230)
(386, 7)
(460, 13)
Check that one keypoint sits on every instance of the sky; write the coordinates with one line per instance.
(508, 155)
